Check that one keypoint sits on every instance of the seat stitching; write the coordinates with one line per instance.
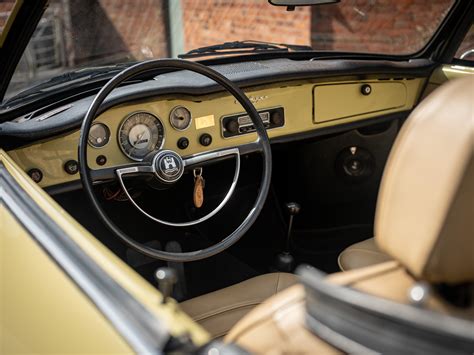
(339, 258)
(366, 251)
(226, 309)
(363, 249)
(374, 273)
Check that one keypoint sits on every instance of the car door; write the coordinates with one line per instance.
(62, 291)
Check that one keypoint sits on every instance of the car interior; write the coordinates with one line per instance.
(233, 174)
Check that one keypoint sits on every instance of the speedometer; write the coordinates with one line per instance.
(140, 134)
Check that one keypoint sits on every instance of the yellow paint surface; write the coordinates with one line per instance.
(41, 309)
(446, 73)
(176, 321)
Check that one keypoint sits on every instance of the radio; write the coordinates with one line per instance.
(236, 125)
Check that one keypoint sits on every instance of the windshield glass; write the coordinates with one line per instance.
(75, 34)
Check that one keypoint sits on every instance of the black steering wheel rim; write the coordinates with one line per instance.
(263, 141)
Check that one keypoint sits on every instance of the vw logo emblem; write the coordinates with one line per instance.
(168, 166)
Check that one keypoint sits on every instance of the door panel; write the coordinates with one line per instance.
(445, 73)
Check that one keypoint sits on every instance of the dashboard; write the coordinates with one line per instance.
(190, 124)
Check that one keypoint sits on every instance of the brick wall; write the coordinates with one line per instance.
(137, 28)
(214, 21)
(141, 24)
(351, 25)
(6, 6)
(401, 26)
(113, 31)
(117, 30)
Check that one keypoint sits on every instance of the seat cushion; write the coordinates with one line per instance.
(362, 254)
(218, 311)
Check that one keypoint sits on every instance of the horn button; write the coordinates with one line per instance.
(169, 166)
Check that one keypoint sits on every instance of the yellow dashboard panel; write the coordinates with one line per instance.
(306, 108)
(370, 97)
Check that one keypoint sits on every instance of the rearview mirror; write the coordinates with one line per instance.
(293, 3)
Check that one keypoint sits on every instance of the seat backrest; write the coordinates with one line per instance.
(425, 208)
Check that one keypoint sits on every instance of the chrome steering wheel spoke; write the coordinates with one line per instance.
(135, 169)
(193, 161)
(107, 174)
(207, 157)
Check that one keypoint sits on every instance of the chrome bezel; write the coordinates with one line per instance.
(121, 127)
(108, 135)
(190, 119)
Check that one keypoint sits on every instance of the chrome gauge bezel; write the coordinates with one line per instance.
(107, 140)
(171, 121)
(121, 127)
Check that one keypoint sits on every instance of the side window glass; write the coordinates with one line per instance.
(466, 49)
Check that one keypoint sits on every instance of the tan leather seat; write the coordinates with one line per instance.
(219, 311)
(361, 254)
(424, 221)
(368, 252)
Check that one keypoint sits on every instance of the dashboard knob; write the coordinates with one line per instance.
(366, 89)
(277, 118)
(232, 126)
(71, 167)
(35, 174)
(183, 143)
(101, 160)
(205, 139)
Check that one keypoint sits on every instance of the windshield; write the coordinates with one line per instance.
(74, 34)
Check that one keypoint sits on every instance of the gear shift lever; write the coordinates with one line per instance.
(285, 261)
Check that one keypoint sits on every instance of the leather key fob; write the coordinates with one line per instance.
(198, 196)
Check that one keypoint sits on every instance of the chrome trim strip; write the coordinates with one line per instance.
(379, 324)
(143, 331)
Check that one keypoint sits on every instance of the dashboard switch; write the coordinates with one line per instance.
(232, 126)
(71, 167)
(183, 143)
(205, 139)
(35, 174)
(101, 160)
(277, 118)
(366, 89)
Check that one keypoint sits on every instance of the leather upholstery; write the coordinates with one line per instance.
(278, 325)
(426, 197)
(362, 254)
(218, 311)
(424, 216)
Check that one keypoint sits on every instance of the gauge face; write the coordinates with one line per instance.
(140, 134)
(180, 118)
(99, 135)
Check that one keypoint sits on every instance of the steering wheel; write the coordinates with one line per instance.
(168, 166)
